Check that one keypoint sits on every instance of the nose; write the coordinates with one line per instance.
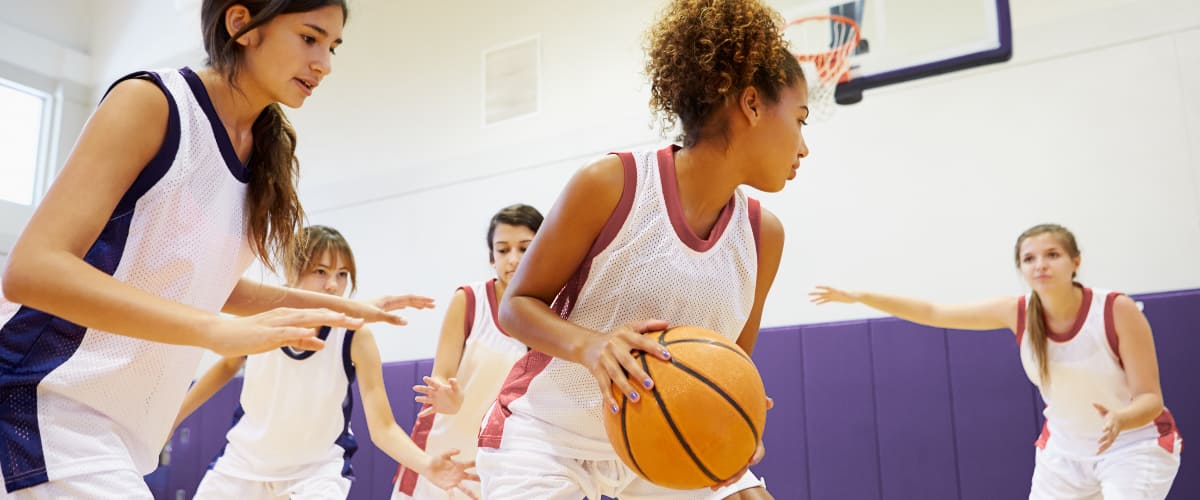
(803, 153)
(322, 66)
(331, 283)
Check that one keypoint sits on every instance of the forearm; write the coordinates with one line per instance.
(392, 439)
(209, 384)
(532, 322)
(1142, 410)
(917, 311)
(64, 285)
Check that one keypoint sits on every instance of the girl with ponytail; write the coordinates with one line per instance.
(177, 183)
(1091, 354)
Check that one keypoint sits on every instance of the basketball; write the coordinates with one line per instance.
(701, 423)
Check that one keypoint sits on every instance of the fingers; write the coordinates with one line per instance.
(626, 372)
(304, 339)
(650, 325)
(424, 389)
(392, 319)
(426, 410)
(466, 491)
(602, 378)
(1103, 411)
(454, 384)
(770, 403)
(649, 345)
(392, 302)
(435, 384)
(310, 318)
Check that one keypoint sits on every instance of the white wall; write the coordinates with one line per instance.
(45, 48)
(922, 188)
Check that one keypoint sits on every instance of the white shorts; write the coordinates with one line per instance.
(111, 484)
(1143, 471)
(527, 475)
(325, 483)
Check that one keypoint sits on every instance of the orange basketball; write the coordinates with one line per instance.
(701, 422)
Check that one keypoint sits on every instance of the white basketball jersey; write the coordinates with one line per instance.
(79, 400)
(294, 412)
(646, 263)
(1085, 368)
(488, 356)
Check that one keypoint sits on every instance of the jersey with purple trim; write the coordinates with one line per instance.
(79, 400)
(294, 413)
(1085, 369)
(646, 263)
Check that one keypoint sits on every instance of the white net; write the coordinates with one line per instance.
(823, 45)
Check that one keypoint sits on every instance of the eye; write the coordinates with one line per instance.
(320, 272)
(308, 39)
(343, 274)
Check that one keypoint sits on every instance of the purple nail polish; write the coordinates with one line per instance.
(633, 395)
(616, 409)
(666, 354)
(647, 383)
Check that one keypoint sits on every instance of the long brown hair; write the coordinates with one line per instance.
(1033, 316)
(273, 211)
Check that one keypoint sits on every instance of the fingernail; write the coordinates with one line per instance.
(666, 354)
(647, 383)
(634, 395)
(615, 408)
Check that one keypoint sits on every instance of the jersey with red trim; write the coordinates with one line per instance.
(647, 263)
(1085, 368)
(488, 355)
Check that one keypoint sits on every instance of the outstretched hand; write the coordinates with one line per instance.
(380, 309)
(449, 474)
(439, 397)
(826, 294)
(295, 328)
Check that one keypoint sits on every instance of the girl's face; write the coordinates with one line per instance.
(1046, 264)
(289, 55)
(776, 141)
(508, 248)
(327, 274)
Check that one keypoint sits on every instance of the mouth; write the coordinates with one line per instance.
(305, 85)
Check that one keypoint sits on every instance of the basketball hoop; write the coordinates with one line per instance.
(823, 44)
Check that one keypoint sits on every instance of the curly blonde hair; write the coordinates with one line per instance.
(702, 51)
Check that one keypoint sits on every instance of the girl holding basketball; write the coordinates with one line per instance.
(298, 443)
(179, 180)
(639, 240)
(1091, 354)
(474, 355)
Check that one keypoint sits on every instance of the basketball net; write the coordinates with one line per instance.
(823, 45)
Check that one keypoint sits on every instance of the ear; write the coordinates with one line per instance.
(751, 104)
(1076, 260)
(237, 16)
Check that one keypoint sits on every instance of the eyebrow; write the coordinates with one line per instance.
(322, 31)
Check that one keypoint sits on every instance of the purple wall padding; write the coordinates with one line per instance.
(785, 466)
(994, 417)
(839, 404)
(1175, 320)
(917, 456)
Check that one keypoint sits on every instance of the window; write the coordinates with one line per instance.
(21, 134)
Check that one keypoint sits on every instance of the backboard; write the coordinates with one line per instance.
(903, 40)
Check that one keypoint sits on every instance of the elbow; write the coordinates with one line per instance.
(509, 317)
(16, 284)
